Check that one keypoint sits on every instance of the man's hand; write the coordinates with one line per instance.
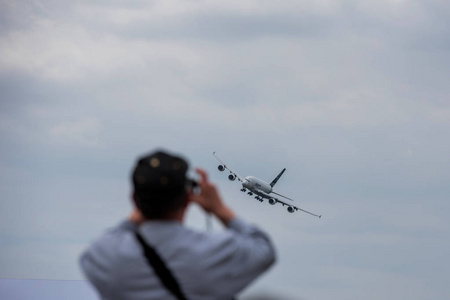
(210, 200)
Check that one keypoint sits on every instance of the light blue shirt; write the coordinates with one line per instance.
(206, 265)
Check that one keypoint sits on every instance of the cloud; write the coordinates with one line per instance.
(81, 133)
(350, 96)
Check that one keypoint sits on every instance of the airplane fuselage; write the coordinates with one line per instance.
(255, 184)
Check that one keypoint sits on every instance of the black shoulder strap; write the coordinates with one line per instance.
(160, 269)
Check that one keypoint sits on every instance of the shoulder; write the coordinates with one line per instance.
(118, 236)
(238, 235)
(109, 247)
(180, 241)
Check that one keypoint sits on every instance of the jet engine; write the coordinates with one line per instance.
(221, 168)
(290, 209)
(231, 177)
(272, 201)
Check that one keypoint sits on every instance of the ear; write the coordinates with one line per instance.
(187, 198)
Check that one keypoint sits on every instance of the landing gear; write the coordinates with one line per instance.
(250, 193)
(243, 190)
(260, 199)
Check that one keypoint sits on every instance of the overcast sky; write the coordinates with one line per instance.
(352, 97)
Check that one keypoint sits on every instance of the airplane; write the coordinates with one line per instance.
(260, 188)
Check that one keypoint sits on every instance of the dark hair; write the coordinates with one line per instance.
(154, 206)
(159, 181)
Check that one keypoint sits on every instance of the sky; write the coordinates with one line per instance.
(351, 96)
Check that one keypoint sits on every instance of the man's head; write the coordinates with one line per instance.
(159, 181)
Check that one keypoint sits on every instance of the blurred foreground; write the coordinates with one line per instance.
(38, 289)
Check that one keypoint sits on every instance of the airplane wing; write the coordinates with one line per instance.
(295, 207)
(291, 208)
(229, 168)
(281, 196)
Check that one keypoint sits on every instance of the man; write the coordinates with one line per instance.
(153, 256)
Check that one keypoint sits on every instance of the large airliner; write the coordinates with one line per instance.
(260, 188)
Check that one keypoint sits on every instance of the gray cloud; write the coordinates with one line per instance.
(350, 96)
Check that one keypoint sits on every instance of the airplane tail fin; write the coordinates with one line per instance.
(276, 178)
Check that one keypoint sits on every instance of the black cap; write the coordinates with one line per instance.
(160, 174)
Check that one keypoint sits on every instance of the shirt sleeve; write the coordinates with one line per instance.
(243, 255)
(257, 249)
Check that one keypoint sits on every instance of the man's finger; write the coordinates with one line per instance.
(203, 175)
